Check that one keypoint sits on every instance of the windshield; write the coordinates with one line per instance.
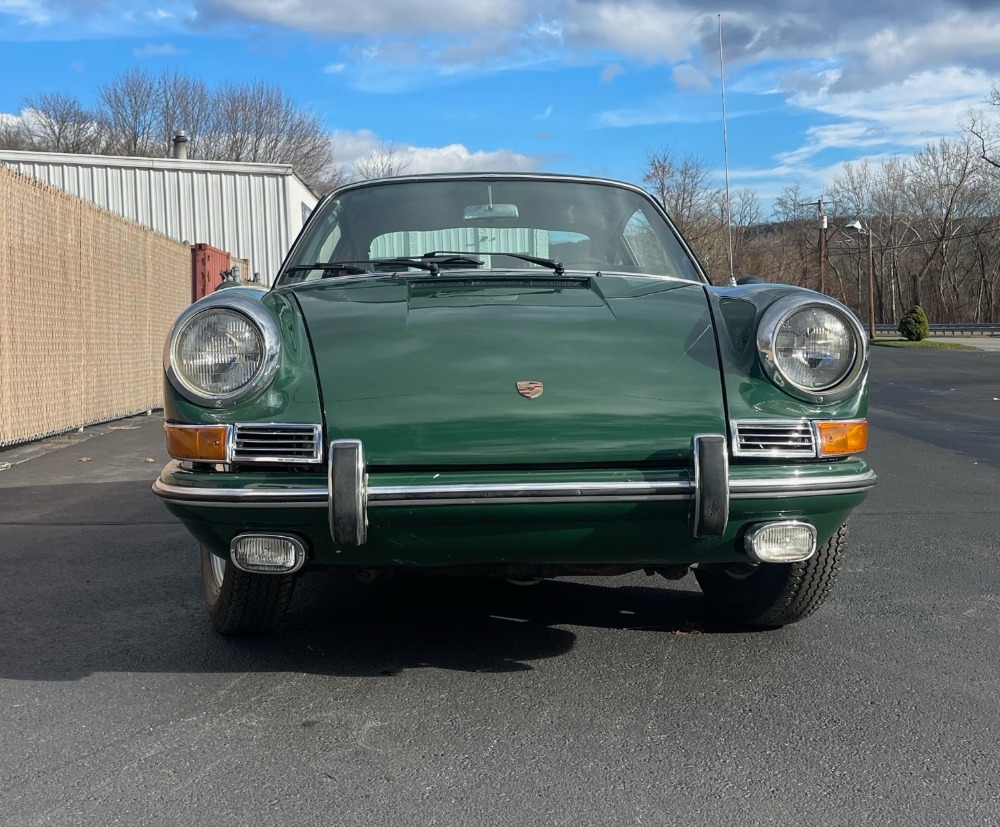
(488, 223)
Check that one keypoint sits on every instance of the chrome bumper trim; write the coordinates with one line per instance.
(509, 494)
(762, 489)
(388, 496)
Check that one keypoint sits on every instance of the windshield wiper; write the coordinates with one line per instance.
(557, 266)
(350, 268)
(434, 262)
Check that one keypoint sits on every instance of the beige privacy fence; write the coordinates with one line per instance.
(86, 301)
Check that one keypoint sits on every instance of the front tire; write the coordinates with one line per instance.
(774, 594)
(240, 602)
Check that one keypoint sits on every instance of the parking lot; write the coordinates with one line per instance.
(474, 702)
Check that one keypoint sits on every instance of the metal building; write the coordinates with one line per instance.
(252, 211)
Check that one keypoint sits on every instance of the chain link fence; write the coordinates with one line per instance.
(86, 301)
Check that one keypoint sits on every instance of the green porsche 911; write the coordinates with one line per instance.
(518, 375)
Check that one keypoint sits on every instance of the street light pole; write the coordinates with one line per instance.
(871, 288)
(861, 228)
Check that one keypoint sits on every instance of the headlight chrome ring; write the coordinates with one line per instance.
(235, 354)
(814, 349)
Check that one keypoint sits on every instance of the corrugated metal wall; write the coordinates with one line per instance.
(253, 211)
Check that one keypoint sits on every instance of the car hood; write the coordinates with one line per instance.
(425, 371)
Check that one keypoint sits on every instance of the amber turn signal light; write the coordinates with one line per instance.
(200, 443)
(839, 438)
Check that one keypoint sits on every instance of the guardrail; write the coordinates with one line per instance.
(969, 329)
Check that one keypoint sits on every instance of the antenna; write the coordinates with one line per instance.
(725, 155)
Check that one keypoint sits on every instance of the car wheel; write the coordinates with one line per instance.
(773, 594)
(240, 602)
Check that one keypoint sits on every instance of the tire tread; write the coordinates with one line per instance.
(779, 593)
(247, 603)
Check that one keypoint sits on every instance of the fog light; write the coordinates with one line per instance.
(268, 553)
(785, 542)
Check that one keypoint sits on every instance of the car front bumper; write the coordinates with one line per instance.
(639, 517)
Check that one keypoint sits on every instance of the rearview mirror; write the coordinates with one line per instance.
(478, 212)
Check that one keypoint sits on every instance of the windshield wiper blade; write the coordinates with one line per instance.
(431, 262)
(350, 268)
(557, 266)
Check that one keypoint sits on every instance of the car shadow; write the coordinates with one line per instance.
(101, 579)
(466, 623)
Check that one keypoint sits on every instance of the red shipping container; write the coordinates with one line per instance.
(207, 264)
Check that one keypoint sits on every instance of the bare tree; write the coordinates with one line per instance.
(682, 186)
(928, 221)
(938, 181)
(795, 245)
(128, 112)
(384, 160)
(13, 134)
(658, 173)
(749, 232)
(184, 103)
(57, 122)
(259, 123)
(333, 177)
(984, 131)
(138, 114)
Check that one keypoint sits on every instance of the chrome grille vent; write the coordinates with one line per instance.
(287, 444)
(774, 439)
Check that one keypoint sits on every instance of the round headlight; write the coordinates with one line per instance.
(814, 349)
(218, 352)
(222, 350)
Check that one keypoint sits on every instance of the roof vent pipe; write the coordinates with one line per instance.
(180, 145)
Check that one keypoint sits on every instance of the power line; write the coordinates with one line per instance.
(969, 234)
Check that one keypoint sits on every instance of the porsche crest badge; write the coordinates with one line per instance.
(529, 389)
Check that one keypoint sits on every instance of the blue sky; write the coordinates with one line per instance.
(586, 86)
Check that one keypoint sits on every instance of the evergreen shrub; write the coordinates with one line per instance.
(914, 325)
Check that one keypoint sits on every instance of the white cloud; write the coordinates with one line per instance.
(373, 18)
(27, 11)
(550, 28)
(689, 78)
(892, 54)
(648, 30)
(610, 72)
(871, 43)
(457, 158)
(907, 114)
(352, 146)
(158, 50)
(651, 115)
